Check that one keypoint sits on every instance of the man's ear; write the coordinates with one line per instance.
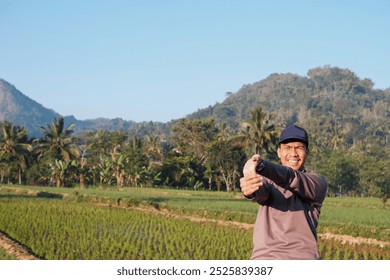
(278, 151)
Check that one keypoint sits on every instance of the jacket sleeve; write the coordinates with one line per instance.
(262, 194)
(309, 186)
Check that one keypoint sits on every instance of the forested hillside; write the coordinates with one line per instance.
(329, 102)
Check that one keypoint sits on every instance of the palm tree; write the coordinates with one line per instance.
(223, 132)
(57, 143)
(153, 148)
(259, 133)
(14, 147)
(336, 137)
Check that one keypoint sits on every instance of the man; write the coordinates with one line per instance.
(290, 200)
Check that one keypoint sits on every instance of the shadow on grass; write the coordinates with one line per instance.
(50, 195)
(38, 195)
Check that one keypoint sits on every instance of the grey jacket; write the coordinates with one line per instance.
(290, 203)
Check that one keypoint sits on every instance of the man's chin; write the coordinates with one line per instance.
(294, 166)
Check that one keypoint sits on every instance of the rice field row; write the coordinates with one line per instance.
(68, 231)
(87, 224)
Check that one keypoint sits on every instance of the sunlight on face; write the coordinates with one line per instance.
(293, 154)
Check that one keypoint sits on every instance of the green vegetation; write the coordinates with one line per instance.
(207, 204)
(347, 119)
(363, 217)
(150, 223)
(84, 231)
(191, 167)
(4, 255)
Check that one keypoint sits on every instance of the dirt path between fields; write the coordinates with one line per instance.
(14, 249)
(19, 252)
(353, 240)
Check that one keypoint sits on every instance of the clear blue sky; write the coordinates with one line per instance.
(160, 60)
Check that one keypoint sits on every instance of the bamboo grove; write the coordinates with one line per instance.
(198, 154)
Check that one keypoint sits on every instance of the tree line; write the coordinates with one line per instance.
(198, 154)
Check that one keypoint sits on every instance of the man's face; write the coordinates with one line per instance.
(293, 154)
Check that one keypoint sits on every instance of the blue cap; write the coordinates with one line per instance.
(294, 132)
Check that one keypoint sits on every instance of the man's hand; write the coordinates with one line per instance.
(250, 165)
(251, 181)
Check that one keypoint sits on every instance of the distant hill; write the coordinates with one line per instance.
(328, 100)
(22, 110)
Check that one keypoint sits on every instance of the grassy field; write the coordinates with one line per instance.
(142, 223)
(4, 255)
(364, 217)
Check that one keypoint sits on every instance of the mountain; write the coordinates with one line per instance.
(22, 110)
